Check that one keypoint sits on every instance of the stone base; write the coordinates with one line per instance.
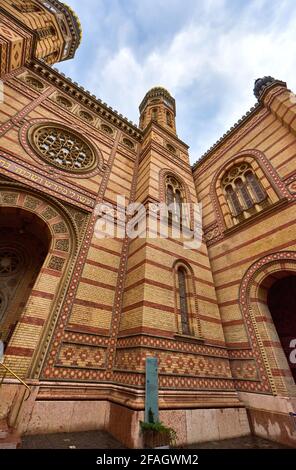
(200, 417)
(49, 417)
(269, 417)
(192, 426)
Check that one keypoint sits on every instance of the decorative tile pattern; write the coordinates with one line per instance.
(73, 355)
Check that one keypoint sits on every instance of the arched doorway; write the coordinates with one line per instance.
(281, 301)
(24, 245)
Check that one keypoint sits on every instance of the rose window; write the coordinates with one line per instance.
(63, 149)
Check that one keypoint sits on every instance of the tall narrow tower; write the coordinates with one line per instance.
(160, 107)
(47, 30)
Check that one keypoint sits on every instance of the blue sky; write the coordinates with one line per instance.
(207, 53)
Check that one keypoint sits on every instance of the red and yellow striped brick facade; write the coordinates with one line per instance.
(99, 307)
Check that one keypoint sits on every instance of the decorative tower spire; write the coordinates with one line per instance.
(160, 107)
(51, 32)
(263, 84)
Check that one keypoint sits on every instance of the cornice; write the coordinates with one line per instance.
(167, 133)
(178, 162)
(249, 114)
(82, 96)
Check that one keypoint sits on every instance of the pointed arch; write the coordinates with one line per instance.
(186, 302)
(267, 176)
(274, 373)
(53, 276)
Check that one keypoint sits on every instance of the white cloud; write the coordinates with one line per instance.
(214, 57)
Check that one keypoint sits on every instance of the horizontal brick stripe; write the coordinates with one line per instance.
(210, 319)
(148, 190)
(146, 330)
(276, 141)
(75, 327)
(228, 284)
(206, 299)
(147, 303)
(112, 182)
(88, 303)
(290, 144)
(228, 302)
(281, 372)
(286, 161)
(106, 250)
(32, 321)
(41, 115)
(88, 190)
(236, 345)
(254, 240)
(272, 344)
(17, 351)
(264, 139)
(91, 282)
(125, 170)
(171, 253)
(152, 263)
(43, 295)
(125, 174)
(233, 322)
(12, 107)
(7, 137)
(252, 258)
(122, 177)
(149, 282)
(5, 114)
(15, 97)
(257, 300)
(264, 320)
(101, 265)
(50, 272)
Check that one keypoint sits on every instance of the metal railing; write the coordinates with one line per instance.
(7, 370)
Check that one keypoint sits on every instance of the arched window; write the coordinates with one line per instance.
(174, 198)
(243, 190)
(26, 6)
(183, 301)
(44, 33)
(169, 119)
(256, 187)
(154, 114)
(233, 200)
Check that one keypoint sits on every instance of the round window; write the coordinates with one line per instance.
(63, 149)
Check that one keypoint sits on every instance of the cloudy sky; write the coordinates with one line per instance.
(207, 53)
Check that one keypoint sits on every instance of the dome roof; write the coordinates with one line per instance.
(262, 83)
(56, 6)
(75, 19)
(156, 92)
(158, 89)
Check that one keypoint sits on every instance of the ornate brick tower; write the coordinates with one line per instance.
(41, 29)
(160, 107)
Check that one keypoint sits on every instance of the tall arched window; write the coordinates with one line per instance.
(26, 6)
(243, 190)
(183, 301)
(169, 119)
(154, 114)
(174, 197)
